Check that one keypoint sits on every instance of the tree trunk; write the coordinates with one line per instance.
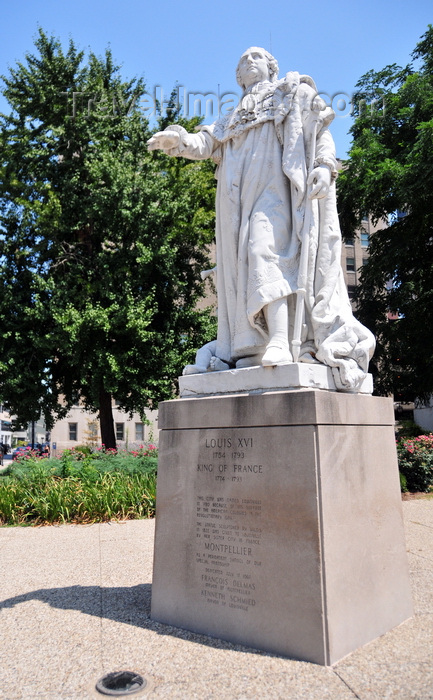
(108, 436)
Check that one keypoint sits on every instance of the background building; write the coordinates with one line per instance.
(5, 426)
(81, 427)
(32, 433)
(354, 254)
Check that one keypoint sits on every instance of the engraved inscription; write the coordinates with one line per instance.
(228, 551)
(228, 524)
(227, 463)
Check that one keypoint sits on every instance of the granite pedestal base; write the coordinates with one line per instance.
(279, 522)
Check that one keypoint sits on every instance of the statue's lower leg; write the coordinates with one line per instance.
(277, 319)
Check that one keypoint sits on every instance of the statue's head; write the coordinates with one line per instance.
(255, 65)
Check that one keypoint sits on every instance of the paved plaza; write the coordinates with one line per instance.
(75, 605)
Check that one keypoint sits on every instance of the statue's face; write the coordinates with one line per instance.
(253, 67)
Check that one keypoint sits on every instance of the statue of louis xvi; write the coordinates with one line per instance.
(280, 287)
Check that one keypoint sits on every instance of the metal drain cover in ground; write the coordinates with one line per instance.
(120, 683)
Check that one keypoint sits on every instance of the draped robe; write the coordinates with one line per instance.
(263, 150)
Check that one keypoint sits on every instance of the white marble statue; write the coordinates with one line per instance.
(280, 287)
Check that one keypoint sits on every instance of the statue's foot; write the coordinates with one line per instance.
(217, 365)
(276, 354)
(193, 369)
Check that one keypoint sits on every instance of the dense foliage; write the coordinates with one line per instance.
(79, 487)
(415, 462)
(389, 175)
(101, 243)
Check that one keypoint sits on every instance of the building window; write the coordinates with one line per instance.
(349, 241)
(139, 432)
(73, 431)
(364, 239)
(350, 264)
(351, 290)
(120, 431)
(364, 261)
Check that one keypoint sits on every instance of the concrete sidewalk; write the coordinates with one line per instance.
(75, 604)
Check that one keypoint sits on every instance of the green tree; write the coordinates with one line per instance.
(101, 243)
(389, 174)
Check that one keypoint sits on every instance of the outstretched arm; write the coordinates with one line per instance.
(164, 141)
(176, 141)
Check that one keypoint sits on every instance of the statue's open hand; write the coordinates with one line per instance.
(164, 140)
(320, 179)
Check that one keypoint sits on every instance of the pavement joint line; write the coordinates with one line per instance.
(420, 556)
(101, 603)
(346, 684)
(415, 522)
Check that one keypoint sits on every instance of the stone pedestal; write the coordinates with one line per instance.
(295, 375)
(279, 522)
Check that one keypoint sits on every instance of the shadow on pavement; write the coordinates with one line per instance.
(129, 605)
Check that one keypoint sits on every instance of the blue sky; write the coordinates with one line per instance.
(198, 44)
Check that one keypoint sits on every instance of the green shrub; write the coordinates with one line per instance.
(408, 429)
(79, 488)
(415, 462)
(83, 449)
